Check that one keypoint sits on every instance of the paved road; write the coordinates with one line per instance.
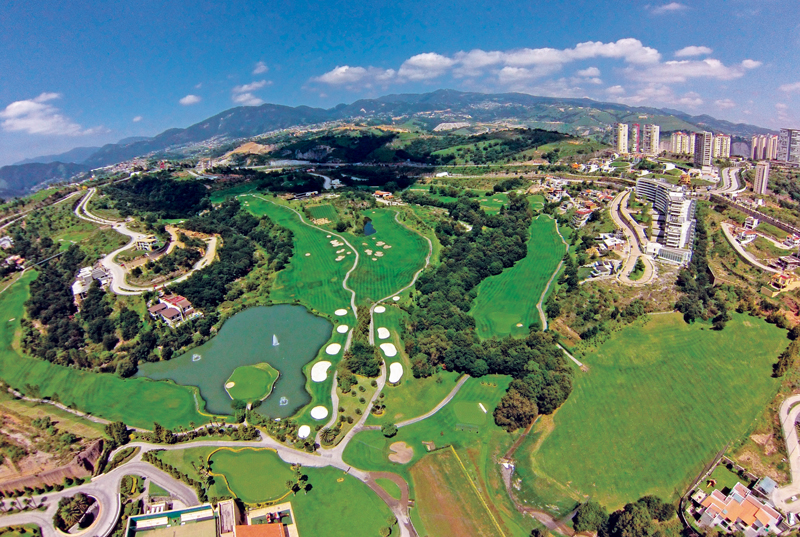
(119, 285)
(327, 184)
(624, 222)
(744, 254)
(539, 305)
(438, 407)
(19, 216)
(730, 182)
(782, 497)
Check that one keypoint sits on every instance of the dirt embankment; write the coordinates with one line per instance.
(81, 466)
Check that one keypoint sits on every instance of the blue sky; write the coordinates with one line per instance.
(88, 73)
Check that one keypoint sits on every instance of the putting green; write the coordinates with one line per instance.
(251, 382)
(253, 475)
(470, 413)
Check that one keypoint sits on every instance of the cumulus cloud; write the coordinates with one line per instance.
(38, 116)
(682, 70)
(781, 106)
(615, 90)
(662, 95)
(751, 64)
(250, 87)
(724, 103)
(790, 88)
(425, 66)
(589, 72)
(672, 7)
(190, 100)
(345, 75)
(137, 119)
(693, 50)
(260, 68)
(247, 99)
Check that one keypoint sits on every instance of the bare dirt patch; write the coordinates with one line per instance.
(752, 461)
(402, 453)
(767, 441)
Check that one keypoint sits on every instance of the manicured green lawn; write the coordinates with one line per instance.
(324, 211)
(659, 401)
(253, 475)
(390, 487)
(402, 254)
(252, 382)
(154, 490)
(414, 397)
(510, 298)
(491, 204)
(138, 402)
(725, 479)
(188, 460)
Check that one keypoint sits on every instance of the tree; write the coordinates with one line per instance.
(634, 521)
(536, 532)
(515, 411)
(118, 432)
(590, 516)
(389, 429)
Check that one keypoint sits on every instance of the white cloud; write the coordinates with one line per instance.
(250, 87)
(790, 88)
(672, 7)
(781, 106)
(751, 64)
(137, 119)
(693, 50)
(190, 100)
(247, 99)
(260, 68)
(682, 70)
(659, 94)
(425, 66)
(725, 103)
(615, 90)
(589, 72)
(345, 75)
(37, 116)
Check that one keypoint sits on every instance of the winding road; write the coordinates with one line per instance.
(624, 221)
(786, 498)
(744, 254)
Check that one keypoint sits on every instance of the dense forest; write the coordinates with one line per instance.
(159, 194)
(441, 331)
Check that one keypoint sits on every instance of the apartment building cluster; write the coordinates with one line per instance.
(704, 146)
(672, 234)
(789, 146)
(637, 139)
(764, 147)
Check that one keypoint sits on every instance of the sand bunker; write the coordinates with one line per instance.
(308, 255)
(319, 371)
(340, 312)
(374, 258)
(229, 385)
(386, 246)
(319, 412)
(396, 298)
(340, 251)
(519, 325)
(402, 453)
(383, 333)
(395, 372)
(328, 236)
(342, 328)
(379, 309)
(333, 348)
(389, 349)
(368, 252)
(378, 254)
(303, 431)
(380, 243)
(340, 258)
(363, 244)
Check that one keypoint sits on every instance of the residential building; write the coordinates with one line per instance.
(722, 146)
(761, 181)
(173, 310)
(621, 138)
(789, 146)
(148, 243)
(703, 149)
(6, 242)
(746, 237)
(675, 219)
(651, 139)
(200, 521)
(680, 144)
(764, 147)
(84, 279)
(740, 510)
(580, 217)
(692, 142)
(750, 222)
(634, 136)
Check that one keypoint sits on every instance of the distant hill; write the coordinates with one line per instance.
(582, 117)
(25, 178)
(77, 155)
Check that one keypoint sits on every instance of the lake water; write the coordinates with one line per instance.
(368, 228)
(248, 338)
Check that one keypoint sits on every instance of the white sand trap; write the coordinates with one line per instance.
(319, 412)
(378, 254)
(340, 312)
(339, 258)
(380, 243)
(374, 258)
(519, 325)
(340, 251)
(230, 385)
(333, 348)
(383, 333)
(303, 431)
(482, 407)
(386, 246)
(348, 253)
(396, 298)
(379, 309)
(389, 349)
(342, 328)
(327, 236)
(396, 373)
(368, 252)
(363, 244)
(308, 255)
(319, 371)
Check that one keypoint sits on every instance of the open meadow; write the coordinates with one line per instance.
(137, 402)
(659, 401)
(253, 475)
(509, 299)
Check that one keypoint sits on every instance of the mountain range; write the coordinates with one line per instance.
(583, 117)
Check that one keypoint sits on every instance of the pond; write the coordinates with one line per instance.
(368, 228)
(286, 337)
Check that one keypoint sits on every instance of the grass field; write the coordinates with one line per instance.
(64, 421)
(155, 491)
(389, 486)
(323, 211)
(252, 382)
(253, 475)
(491, 204)
(138, 402)
(374, 280)
(187, 460)
(510, 298)
(441, 481)
(659, 401)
